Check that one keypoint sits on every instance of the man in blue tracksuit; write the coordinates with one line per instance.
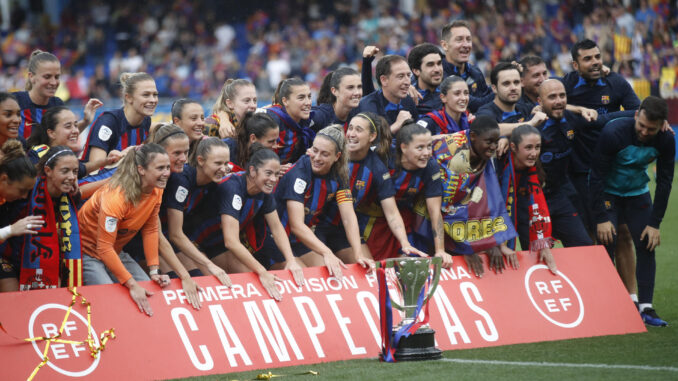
(457, 44)
(557, 135)
(618, 184)
(426, 62)
(586, 86)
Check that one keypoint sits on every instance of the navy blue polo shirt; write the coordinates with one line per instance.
(431, 100)
(378, 104)
(518, 115)
(556, 150)
(607, 94)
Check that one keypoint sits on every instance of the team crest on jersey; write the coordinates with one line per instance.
(422, 123)
(411, 190)
(605, 99)
(181, 194)
(237, 202)
(110, 224)
(386, 176)
(474, 87)
(608, 205)
(570, 134)
(299, 186)
(521, 120)
(359, 185)
(105, 133)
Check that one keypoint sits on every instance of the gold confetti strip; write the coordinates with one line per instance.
(93, 348)
(269, 375)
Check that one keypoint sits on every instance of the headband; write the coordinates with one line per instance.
(369, 120)
(171, 134)
(57, 154)
(332, 139)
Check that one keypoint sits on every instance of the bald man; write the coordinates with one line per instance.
(556, 151)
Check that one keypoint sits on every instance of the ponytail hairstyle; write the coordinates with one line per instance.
(229, 91)
(37, 58)
(127, 177)
(52, 157)
(405, 135)
(178, 107)
(259, 155)
(332, 80)
(335, 134)
(284, 89)
(163, 133)
(129, 82)
(517, 136)
(203, 148)
(49, 121)
(254, 123)
(14, 163)
(379, 126)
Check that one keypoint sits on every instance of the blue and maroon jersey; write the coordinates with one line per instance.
(111, 131)
(410, 184)
(294, 137)
(184, 194)
(249, 210)
(31, 113)
(315, 192)
(370, 184)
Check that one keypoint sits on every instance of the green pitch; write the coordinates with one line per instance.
(647, 356)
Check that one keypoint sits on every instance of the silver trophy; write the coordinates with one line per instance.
(410, 276)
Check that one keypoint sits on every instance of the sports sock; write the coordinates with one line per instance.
(634, 297)
(643, 306)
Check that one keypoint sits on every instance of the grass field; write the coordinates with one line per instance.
(647, 356)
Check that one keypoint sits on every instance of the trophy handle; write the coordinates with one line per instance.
(437, 266)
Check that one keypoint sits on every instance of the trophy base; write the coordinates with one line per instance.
(419, 346)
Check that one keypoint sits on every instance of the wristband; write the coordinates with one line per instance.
(154, 272)
(5, 232)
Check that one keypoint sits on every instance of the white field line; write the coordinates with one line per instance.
(564, 365)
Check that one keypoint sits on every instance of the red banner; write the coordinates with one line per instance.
(240, 328)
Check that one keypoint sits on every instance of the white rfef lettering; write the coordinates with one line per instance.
(446, 313)
(363, 297)
(274, 338)
(59, 351)
(343, 323)
(313, 330)
(224, 328)
(177, 313)
(542, 287)
(489, 334)
(50, 329)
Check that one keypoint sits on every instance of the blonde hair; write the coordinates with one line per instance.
(129, 82)
(127, 176)
(37, 58)
(229, 91)
(335, 134)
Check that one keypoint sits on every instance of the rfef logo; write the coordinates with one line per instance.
(555, 297)
(72, 360)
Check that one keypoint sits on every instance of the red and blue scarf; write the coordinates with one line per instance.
(539, 218)
(292, 135)
(57, 242)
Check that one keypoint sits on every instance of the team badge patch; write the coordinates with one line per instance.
(359, 185)
(110, 224)
(237, 202)
(299, 186)
(474, 87)
(181, 194)
(570, 134)
(422, 123)
(105, 133)
(608, 205)
(386, 176)
(605, 99)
